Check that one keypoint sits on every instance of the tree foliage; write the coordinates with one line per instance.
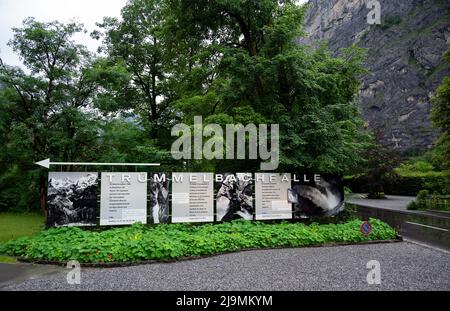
(44, 109)
(261, 68)
(164, 62)
(440, 116)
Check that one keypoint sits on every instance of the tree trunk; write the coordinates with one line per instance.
(43, 194)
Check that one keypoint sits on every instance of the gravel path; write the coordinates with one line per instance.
(404, 266)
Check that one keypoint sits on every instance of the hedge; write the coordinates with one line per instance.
(425, 200)
(404, 185)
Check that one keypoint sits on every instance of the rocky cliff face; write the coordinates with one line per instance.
(72, 202)
(404, 60)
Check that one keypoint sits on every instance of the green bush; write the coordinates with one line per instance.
(438, 182)
(440, 202)
(435, 202)
(376, 195)
(418, 174)
(423, 196)
(411, 185)
(348, 214)
(172, 241)
(413, 206)
(417, 168)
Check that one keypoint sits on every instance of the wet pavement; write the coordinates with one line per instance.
(11, 273)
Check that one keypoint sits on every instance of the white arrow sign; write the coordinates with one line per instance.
(46, 163)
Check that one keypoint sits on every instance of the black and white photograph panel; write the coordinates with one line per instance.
(234, 199)
(159, 198)
(316, 195)
(72, 199)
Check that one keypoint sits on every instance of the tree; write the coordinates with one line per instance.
(260, 67)
(45, 113)
(440, 116)
(378, 168)
(134, 42)
(230, 61)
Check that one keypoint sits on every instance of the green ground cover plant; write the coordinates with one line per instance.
(175, 241)
(424, 200)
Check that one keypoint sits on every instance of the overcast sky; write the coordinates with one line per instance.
(88, 12)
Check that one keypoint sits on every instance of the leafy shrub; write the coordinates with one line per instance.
(435, 201)
(440, 202)
(379, 166)
(376, 195)
(411, 185)
(348, 214)
(172, 241)
(412, 205)
(420, 174)
(440, 114)
(417, 168)
(423, 195)
(438, 182)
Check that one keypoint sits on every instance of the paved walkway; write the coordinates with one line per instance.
(428, 227)
(404, 266)
(392, 202)
(20, 272)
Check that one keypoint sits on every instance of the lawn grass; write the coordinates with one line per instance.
(7, 259)
(13, 226)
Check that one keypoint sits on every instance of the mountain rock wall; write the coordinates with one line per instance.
(404, 61)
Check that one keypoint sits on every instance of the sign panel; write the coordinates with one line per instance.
(71, 199)
(159, 198)
(316, 195)
(192, 197)
(123, 198)
(234, 198)
(271, 196)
